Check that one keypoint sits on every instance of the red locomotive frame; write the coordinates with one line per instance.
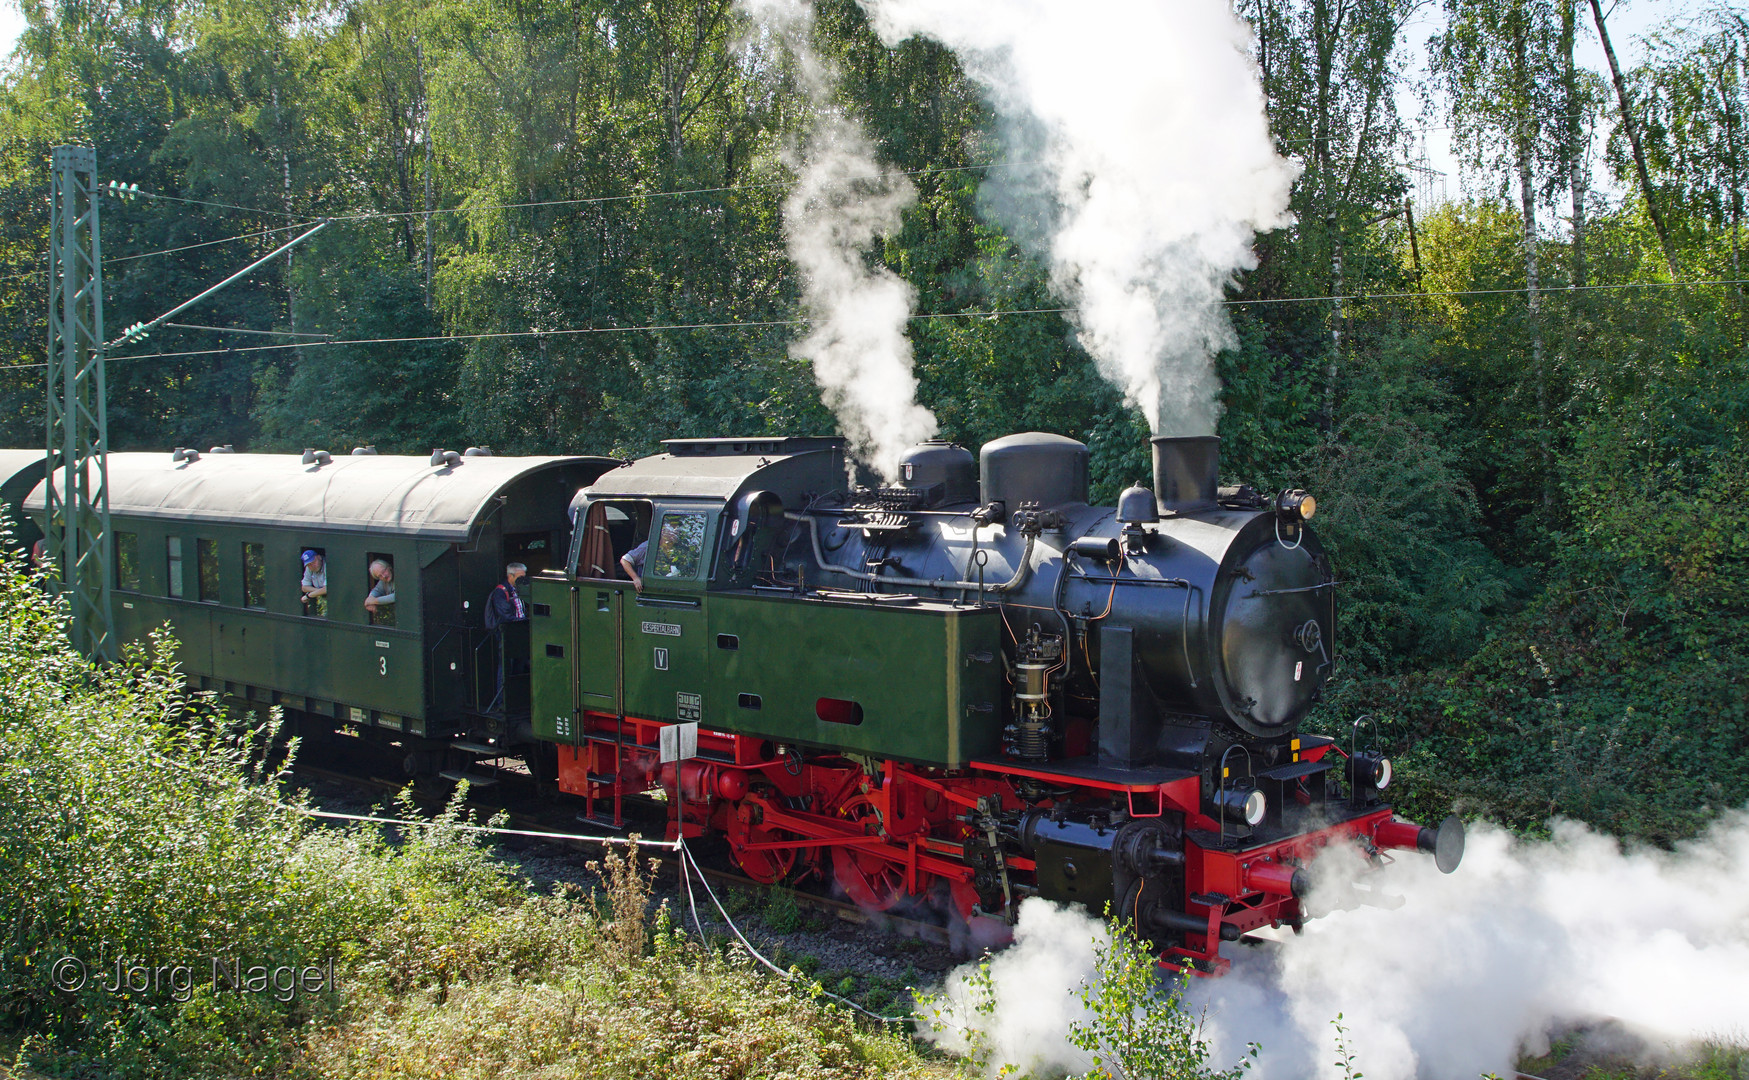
(899, 835)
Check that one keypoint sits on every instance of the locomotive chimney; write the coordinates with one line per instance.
(1185, 472)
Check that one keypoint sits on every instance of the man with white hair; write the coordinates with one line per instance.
(505, 605)
(381, 601)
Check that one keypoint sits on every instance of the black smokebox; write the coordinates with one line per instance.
(1186, 470)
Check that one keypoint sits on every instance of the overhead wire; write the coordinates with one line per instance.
(379, 215)
(388, 215)
(210, 243)
(773, 323)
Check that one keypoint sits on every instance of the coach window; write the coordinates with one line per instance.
(206, 560)
(254, 576)
(127, 561)
(380, 601)
(679, 544)
(173, 565)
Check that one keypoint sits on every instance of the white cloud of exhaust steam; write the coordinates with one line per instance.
(1148, 159)
(844, 200)
(1525, 938)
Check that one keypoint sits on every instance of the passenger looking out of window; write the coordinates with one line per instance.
(381, 601)
(315, 583)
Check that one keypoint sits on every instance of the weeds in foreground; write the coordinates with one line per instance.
(138, 823)
(1138, 1023)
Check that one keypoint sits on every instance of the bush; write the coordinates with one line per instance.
(136, 822)
(782, 915)
(1138, 1024)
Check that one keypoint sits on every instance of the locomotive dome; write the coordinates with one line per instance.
(1034, 467)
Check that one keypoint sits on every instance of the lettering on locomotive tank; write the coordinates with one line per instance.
(666, 629)
(661, 659)
(689, 708)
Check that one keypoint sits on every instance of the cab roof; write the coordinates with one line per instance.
(718, 468)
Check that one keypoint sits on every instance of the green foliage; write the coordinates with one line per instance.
(1344, 1056)
(137, 824)
(545, 181)
(781, 914)
(1138, 1024)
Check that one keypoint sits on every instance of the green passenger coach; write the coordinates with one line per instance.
(212, 545)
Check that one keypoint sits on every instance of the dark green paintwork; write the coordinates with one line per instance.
(341, 659)
(921, 672)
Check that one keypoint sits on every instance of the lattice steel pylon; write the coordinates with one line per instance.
(79, 543)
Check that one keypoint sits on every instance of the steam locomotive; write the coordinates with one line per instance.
(951, 693)
(971, 686)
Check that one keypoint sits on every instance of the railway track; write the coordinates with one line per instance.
(550, 819)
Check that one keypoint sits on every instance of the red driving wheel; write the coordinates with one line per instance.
(766, 865)
(871, 880)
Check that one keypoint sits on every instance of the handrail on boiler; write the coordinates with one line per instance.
(1021, 572)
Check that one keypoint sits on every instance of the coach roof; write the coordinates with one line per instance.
(13, 462)
(406, 495)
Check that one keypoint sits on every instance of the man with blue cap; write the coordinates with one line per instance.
(315, 584)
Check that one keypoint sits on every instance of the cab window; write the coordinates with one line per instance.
(679, 546)
(608, 531)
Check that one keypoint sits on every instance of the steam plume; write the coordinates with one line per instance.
(1524, 938)
(1154, 169)
(844, 200)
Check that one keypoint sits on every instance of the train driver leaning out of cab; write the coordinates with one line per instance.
(315, 582)
(382, 590)
(632, 562)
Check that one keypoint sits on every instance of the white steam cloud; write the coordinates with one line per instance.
(844, 200)
(1526, 938)
(1144, 128)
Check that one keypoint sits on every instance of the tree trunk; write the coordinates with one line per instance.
(1526, 147)
(1575, 150)
(425, 125)
(1627, 123)
(291, 307)
(1333, 367)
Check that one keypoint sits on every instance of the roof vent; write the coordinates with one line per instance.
(365, 451)
(228, 448)
(317, 458)
(184, 453)
(441, 457)
(477, 451)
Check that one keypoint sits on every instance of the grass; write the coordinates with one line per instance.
(139, 822)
